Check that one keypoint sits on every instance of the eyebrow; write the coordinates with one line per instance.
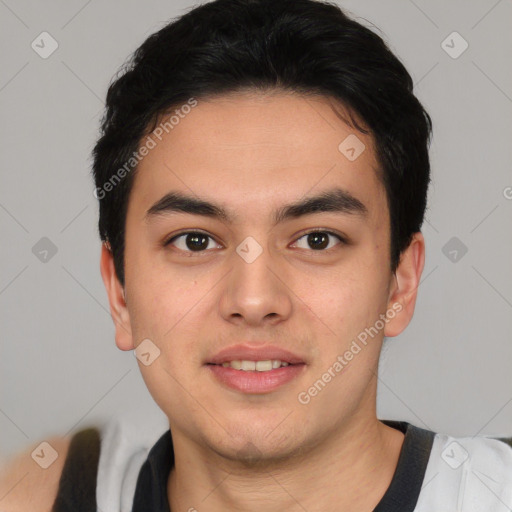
(335, 200)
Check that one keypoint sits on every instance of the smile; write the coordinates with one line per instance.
(255, 377)
(259, 366)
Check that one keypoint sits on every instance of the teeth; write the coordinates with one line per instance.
(248, 365)
(263, 366)
(259, 366)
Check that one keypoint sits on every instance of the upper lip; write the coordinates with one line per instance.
(251, 353)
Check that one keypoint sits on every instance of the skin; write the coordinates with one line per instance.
(253, 153)
(24, 485)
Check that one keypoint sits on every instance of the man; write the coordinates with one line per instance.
(262, 177)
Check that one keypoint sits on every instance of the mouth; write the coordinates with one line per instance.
(255, 370)
(255, 366)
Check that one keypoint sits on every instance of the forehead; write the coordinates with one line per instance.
(246, 149)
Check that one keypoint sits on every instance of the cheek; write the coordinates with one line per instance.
(347, 300)
(170, 312)
(161, 300)
(164, 308)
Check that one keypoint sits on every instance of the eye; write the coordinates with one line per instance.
(197, 241)
(319, 240)
(191, 241)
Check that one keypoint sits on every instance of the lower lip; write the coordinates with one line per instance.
(254, 381)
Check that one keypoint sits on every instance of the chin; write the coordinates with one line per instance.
(254, 454)
(258, 443)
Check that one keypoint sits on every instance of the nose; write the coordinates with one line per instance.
(255, 292)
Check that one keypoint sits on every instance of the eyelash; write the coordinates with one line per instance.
(343, 241)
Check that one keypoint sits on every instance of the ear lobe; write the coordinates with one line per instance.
(117, 300)
(404, 291)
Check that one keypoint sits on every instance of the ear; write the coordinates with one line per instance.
(116, 298)
(403, 292)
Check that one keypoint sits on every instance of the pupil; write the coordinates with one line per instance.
(314, 238)
(197, 241)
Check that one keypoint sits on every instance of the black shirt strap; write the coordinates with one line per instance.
(77, 485)
(405, 487)
(506, 440)
(151, 490)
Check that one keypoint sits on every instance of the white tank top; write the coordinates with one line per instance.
(463, 474)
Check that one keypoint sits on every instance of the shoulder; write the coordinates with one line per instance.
(485, 454)
(108, 456)
(30, 479)
(476, 471)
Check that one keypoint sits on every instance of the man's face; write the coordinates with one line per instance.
(252, 155)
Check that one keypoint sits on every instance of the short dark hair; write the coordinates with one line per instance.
(303, 46)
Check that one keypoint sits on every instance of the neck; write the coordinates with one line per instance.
(349, 471)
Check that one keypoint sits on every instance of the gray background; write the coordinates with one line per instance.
(60, 369)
